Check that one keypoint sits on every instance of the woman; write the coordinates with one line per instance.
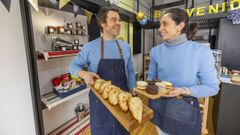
(189, 66)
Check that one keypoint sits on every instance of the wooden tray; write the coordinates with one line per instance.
(151, 96)
(125, 118)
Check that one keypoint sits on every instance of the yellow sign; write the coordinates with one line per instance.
(157, 14)
(201, 11)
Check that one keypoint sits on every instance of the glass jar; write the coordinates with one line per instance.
(218, 60)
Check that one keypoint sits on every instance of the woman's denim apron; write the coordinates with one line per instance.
(177, 116)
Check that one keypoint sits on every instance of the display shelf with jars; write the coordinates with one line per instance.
(66, 37)
(67, 29)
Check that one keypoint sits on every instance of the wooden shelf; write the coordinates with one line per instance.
(51, 99)
(56, 54)
(65, 35)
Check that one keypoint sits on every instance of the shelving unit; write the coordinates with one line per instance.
(54, 38)
(51, 99)
(146, 66)
(64, 35)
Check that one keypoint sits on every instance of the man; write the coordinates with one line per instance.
(109, 59)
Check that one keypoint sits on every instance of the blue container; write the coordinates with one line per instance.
(63, 94)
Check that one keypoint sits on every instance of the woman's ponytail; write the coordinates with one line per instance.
(192, 30)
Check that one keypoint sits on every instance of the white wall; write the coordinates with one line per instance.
(16, 115)
(47, 70)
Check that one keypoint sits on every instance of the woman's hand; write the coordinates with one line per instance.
(88, 77)
(177, 92)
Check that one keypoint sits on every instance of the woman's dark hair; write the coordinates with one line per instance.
(178, 16)
(102, 15)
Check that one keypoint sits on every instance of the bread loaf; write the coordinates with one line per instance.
(97, 84)
(116, 96)
(136, 108)
(104, 84)
(106, 91)
(113, 96)
(123, 100)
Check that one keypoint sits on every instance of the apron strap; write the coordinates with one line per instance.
(102, 48)
(119, 49)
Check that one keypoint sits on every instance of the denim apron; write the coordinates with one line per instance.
(177, 116)
(102, 121)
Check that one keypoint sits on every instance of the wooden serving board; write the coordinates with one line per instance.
(151, 96)
(125, 118)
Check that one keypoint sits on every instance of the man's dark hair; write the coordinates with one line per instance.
(102, 15)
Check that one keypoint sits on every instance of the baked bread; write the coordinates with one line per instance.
(136, 108)
(123, 100)
(113, 95)
(104, 84)
(106, 91)
(97, 84)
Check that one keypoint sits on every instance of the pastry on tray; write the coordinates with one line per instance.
(104, 84)
(116, 96)
(97, 84)
(123, 100)
(152, 82)
(142, 85)
(164, 85)
(152, 89)
(113, 96)
(106, 91)
(136, 108)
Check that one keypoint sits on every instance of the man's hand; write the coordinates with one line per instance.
(88, 77)
(177, 92)
(133, 93)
